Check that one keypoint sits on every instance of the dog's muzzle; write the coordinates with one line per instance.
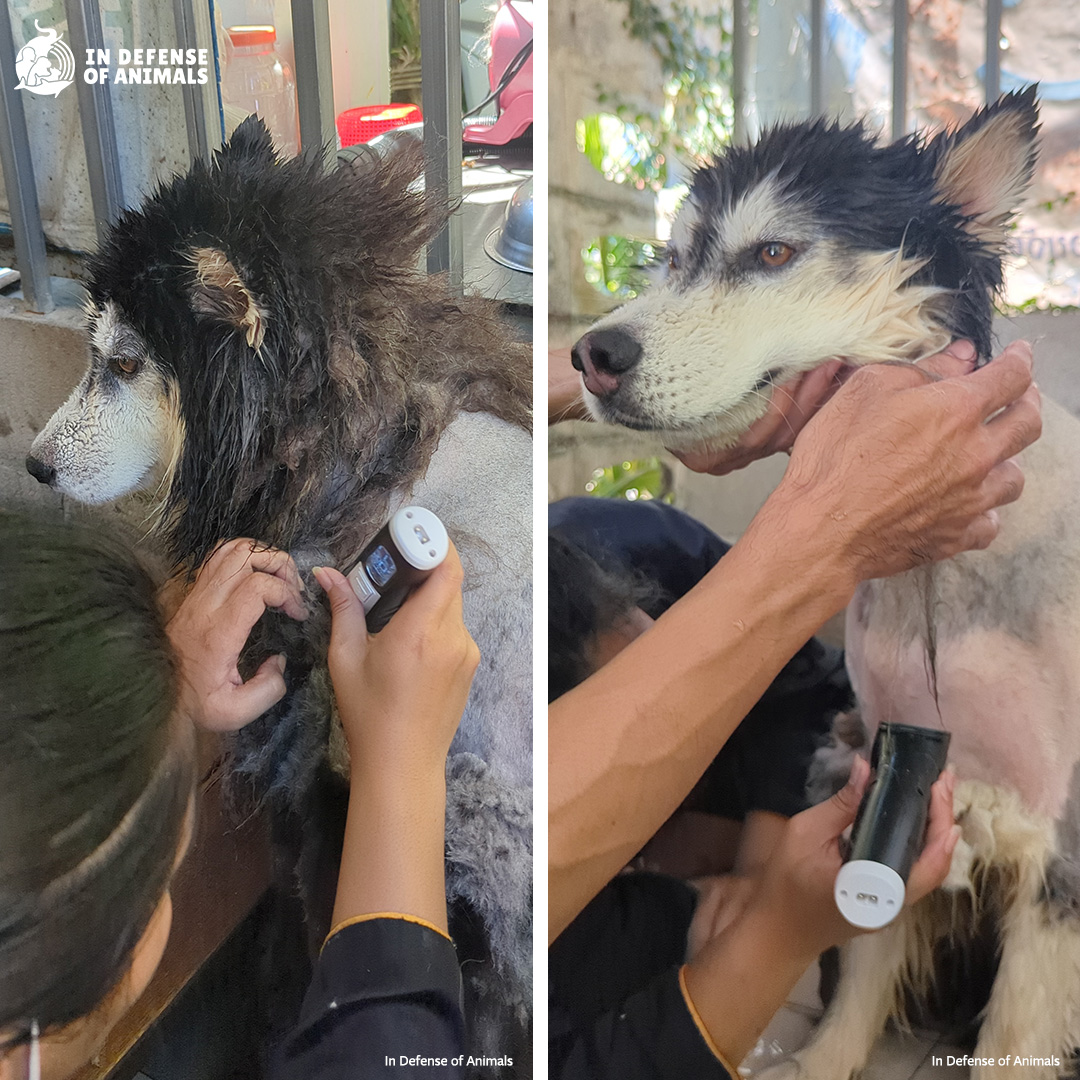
(603, 357)
(42, 473)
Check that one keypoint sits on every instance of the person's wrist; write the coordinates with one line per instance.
(410, 772)
(779, 932)
(790, 521)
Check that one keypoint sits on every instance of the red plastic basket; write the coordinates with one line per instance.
(365, 122)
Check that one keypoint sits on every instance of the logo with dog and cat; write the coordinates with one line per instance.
(45, 64)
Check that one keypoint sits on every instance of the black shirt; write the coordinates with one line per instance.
(616, 1008)
(385, 1001)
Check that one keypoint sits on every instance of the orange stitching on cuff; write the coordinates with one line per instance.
(700, 1024)
(385, 915)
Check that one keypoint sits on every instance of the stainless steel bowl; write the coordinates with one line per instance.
(511, 244)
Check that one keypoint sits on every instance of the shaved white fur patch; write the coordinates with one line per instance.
(706, 347)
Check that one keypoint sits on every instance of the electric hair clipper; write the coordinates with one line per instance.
(890, 826)
(405, 550)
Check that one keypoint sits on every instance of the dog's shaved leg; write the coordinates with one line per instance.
(1034, 1009)
(871, 968)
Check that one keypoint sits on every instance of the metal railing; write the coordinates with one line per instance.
(441, 61)
(742, 46)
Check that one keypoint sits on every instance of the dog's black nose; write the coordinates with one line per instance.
(41, 472)
(613, 350)
(603, 356)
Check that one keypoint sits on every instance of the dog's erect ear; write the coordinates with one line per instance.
(219, 293)
(251, 140)
(986, 165)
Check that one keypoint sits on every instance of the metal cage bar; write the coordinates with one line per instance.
(440, 60)
(993, 50)
(899, 68)
(96, 118)
(314, 75)
(740, 70)
(18, 166)
(198, 128)
(818, 45)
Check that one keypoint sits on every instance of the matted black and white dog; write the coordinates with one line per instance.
(818, 243)
(265, 352)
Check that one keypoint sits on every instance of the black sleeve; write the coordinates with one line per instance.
(649, 1036)
(616, 1010)
(384, 990)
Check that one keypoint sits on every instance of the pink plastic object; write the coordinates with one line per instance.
(362, 124)
(510, 31)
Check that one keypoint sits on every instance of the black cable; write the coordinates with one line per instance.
(508, 75)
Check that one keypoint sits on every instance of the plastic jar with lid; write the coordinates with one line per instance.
(257, 81)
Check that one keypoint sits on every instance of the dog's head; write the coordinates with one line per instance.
(226, 315)
(813, 244)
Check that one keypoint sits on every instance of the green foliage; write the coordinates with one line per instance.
(1030, 306)
(644, 478)
(616, 265)
(696, 117)
(621, 151)
(404, 28)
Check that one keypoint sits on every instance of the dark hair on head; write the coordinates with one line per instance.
(96, 773)
(585, 598)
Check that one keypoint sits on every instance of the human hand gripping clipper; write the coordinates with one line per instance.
(404, 551)
(890, 826)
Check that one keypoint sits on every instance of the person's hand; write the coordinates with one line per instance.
(401, 692)
(742, 974)
(233, 588)
(906, 464)
(796, 892)
(795, 402)
(566, 395)
(791, 406)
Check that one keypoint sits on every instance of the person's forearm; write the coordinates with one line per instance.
(739, 980)
(393, 854)
(629, 743)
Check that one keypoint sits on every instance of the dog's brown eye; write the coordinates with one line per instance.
(775, 254)
(127, 364)
(672, 260)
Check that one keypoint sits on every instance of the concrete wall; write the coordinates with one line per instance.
(41, 358)
(588, 53)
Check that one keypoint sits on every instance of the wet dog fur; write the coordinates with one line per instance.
(882, 253)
